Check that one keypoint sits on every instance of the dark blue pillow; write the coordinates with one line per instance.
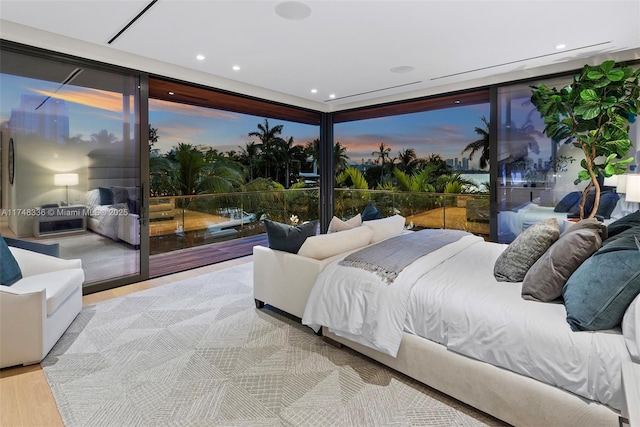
(133, 206)
(598, 293)
(370, 212)
(624, 223)
(9, 269)
(588, 204)
(284, 237)
(568, 202)
(608, 202)
(106, 196)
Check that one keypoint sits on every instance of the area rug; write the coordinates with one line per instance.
(198, 352)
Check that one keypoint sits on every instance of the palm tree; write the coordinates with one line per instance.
(352, 178)
(407, 159)
(340, 158)
(382, 154)
(268, 137)
(289, 153)
(247, 156)
(480, 145)
(103, 137)
(416, 182)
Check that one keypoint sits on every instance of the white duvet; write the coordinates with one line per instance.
(452, 298)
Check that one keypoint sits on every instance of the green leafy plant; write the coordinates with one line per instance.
(593, 113)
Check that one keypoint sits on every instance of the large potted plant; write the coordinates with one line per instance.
(593, 113)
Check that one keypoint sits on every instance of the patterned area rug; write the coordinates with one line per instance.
(198, 352)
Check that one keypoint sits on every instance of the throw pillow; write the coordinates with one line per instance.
(284, 237)
(106, 196)
(327, 245)
(599, 292)
(547, 276)
(631, 329)
(93, 198)
(385, 227)
(568, 202)
(624, 223)
(337, 224)
(370, 213)
(9, 269)
(120, 194)
(588, 204)
(514, 262)
(133, 206)
(608, 202)
(625, 240)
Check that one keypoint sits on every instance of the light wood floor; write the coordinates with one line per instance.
(25, 396)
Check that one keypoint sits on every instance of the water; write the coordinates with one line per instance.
(478, 178)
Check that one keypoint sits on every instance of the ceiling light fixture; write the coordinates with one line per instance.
(293, 10)
(171, 93)
(561, 46)
(200, 57)
(314, 90)
(333, 95)
(402, 69)
(457, 101)
(236, 68)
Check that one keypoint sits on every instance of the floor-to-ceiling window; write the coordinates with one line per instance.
(71, 134)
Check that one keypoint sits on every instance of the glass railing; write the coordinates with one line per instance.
(181, 222)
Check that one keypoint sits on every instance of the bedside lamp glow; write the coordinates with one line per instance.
(633, 188)
(65, 180)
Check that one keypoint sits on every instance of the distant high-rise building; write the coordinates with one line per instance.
(465, 163)
(47, 117)
(449, 162)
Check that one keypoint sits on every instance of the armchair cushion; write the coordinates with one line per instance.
(10, 271)
(59, 286)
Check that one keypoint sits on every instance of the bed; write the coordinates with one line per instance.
(459, 330)
(114, 217)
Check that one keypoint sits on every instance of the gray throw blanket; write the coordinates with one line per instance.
(389, 257)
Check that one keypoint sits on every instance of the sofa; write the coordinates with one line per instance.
(37, 309)
(286, 281)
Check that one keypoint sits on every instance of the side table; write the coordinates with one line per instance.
(59, 220)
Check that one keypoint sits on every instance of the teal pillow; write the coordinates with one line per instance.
(9, 269)
(370, 212)
(598, 293)
(106, 196)
(624, 223)
(284, 237)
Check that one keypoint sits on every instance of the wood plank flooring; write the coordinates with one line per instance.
(25, 395)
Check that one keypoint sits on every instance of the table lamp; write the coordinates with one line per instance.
(65, 180)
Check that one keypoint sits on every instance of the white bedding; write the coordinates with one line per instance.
(104, 220)
(452, 298)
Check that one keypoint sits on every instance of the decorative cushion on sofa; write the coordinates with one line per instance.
(631, 328)
(370, 213)
(385, 227)
(599, 292)
(514, 262)
(327, 245)
(284, 237)
(337, 224)
(10, 271)
(547, 276)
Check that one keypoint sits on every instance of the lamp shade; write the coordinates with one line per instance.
(622, 184)
(64, 179)
(633, 188)
(612, 181)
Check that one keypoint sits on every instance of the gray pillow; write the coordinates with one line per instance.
(545, 278)
(120, 194)
(284, 237)
(512, 264)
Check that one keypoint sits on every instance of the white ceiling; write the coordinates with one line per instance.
(345, 48)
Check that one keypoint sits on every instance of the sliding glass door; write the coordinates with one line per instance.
(71, 156)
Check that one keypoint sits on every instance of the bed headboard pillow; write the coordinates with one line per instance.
(93, 198)
(327, 245)
(120, 194)
(337, 224)
(601, 290)
(631, 329)
(514, 262)
(385, 227)
(106, 196)
(547, 276)
(568, 202)
(284, 237)
(608, 202)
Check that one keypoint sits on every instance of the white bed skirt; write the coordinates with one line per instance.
(511, 397)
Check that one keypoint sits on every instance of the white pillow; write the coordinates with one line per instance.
(326, 245)
(337, 224)
(93, 198)
(385, 227)
(631, 329)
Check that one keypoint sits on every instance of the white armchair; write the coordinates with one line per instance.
(38, 309)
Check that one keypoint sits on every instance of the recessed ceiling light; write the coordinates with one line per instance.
(457, 101)
(171, 93)
(236, 68)
(402, 69)
(293, 10)
(561, 46)
(200, 57)
(333, 95)
(314, 90)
